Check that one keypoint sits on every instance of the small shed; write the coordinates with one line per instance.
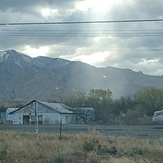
(10, 116)
(44, 113)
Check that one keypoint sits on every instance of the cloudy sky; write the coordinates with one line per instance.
(134, 45)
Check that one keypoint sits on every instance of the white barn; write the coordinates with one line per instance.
(44, 113)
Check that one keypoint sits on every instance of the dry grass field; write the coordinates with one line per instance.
(91, 147)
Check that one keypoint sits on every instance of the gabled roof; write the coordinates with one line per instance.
(58, 107)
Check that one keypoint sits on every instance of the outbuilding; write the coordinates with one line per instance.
(10, 117)
(44, 113)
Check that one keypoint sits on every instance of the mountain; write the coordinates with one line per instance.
(43, 78)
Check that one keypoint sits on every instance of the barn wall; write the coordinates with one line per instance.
(68, 118)
(51, 118)
(55, 118)
(16, 118)
(47, 118)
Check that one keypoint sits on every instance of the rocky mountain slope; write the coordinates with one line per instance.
(43, 78)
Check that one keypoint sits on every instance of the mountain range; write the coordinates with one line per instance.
(23, 78)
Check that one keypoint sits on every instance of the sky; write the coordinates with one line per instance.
(132, 45)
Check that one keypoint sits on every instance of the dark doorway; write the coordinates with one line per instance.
(26, 119)
(40, 119)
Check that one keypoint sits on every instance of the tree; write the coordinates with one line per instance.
(122, 105)
(101, 101)
(79, 99)
(151, 99)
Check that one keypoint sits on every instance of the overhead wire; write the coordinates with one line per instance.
(83, 22)
(81, 33)
(84, 32)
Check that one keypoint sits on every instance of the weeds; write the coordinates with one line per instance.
(91, 147)
(3, 154)
(94, 161)
(109, 150)
(59, 159)
(133, 152)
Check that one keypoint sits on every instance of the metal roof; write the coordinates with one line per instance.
(58, 107)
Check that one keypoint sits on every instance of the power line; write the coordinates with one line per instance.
(83, 22)
(127, 50)
(82, 33)
(88, 35)
(110, 50)
(77, 30)
(107, 50)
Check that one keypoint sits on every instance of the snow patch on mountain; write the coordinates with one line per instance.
(13, 56)
(3, 56)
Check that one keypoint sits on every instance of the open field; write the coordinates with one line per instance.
(88, 147)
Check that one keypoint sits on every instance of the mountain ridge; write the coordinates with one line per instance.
(44, 78)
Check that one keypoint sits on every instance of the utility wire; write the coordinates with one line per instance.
(82, 33)
(83, 22)
(81, 30)
(110, 50)
(86, 34)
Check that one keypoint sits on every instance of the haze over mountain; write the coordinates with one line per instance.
(25, 78)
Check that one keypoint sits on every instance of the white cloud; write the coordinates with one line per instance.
(48, 12)
(35, 52)
(93, 59)
(100, 5)
(149, 61)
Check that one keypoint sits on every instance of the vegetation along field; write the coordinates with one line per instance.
(90, 147)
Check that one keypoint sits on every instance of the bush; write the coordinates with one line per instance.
(3, 154)
(59, 159)
(94, 161)
(134, 152)
(107, 150)
(6, 122)
(90, 145)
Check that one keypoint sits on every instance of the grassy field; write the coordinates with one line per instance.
(91, 147)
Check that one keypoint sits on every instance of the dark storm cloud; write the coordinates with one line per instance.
(27, 11)
(20, 5)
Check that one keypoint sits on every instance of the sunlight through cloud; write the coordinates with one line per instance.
(46, 12)
(35, 52)
(92, 58)
(98, 5)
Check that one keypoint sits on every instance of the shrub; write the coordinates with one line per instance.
(90, 145)
(94, 161)
(107, 150)
(6, 122)
(3, 154)
(134, 152)
(59, 159)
